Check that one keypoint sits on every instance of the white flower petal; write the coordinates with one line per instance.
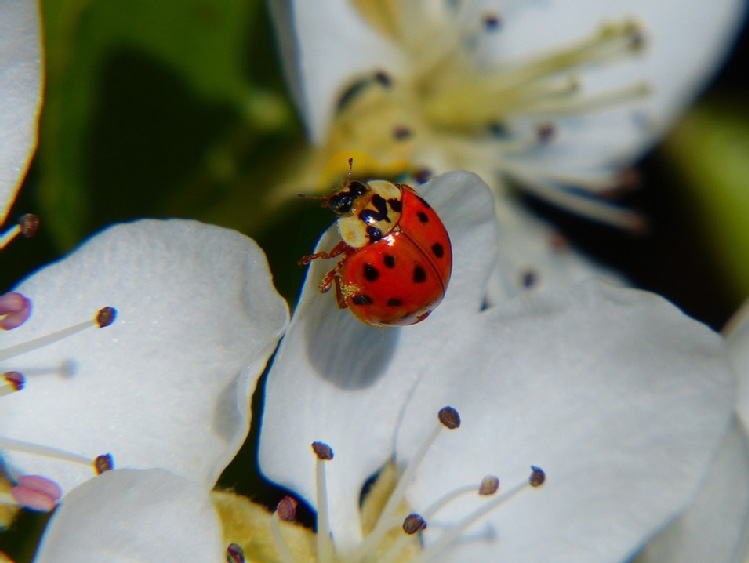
(168, 384)
(132, 515)
(325, 44)
(737, 340)
(331, 366)
(684, 42)
(20, 84)
(715, 526)
(618, 396)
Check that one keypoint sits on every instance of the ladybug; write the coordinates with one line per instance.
(396, 256)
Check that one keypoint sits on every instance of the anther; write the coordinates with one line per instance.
(14, 381)
(528, 278)
(36, 492)
(15, 310)
(383, 79)
(414, 523)
(491, 21)
(449, 418)
(103, 463)
(538, 476)
(545, 132)
(323, 451)
(286, 509)
(29, 224)
(105, 316)
(234, 553)
(422, 175)
(402, 133)
(489, 485)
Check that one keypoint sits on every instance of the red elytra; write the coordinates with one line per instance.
(396, 256)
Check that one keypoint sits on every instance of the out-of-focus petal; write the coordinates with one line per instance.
(134, 515)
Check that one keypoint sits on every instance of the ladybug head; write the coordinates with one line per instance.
(341, 201)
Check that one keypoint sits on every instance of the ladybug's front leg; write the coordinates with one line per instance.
(337, 250)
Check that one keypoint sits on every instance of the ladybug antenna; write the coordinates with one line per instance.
(347, 181)
(311, 196)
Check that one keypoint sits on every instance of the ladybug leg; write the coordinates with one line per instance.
(337, 250)
(339, 297)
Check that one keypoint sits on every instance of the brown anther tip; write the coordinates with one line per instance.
(414, 523)
(234, 553)
(402, 133)
(323, 451)
(491, 21)
(449, 418)
(383, 78)
(537, 478)
(106, 316)
(489, 485)
(103, 463)
(422, 175)
(286, 509)
(529, 278)
(15, 379)
(29, 224)
(545, 132)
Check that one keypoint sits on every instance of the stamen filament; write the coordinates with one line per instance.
(44, 451)
(324, 542)
(385, 521)
(453, 533)
(7, 237)
(280, 542)
(48, 339)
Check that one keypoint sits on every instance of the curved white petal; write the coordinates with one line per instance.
(344, 383)
(683, 44)
(134, 515)
(715, 526)
(168, 384)
(325, 44)
(737, 340)
(20, 85)
(621, 398)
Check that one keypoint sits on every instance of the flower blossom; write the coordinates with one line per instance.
(555, 98)
(618, 396)
(140, 349)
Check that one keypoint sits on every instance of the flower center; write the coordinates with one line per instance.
(453, 106)
(396, 534)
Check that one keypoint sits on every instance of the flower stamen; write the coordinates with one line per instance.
(286, 512)
(99, 464)
(325, 548)
(27, 226)
(104, 317)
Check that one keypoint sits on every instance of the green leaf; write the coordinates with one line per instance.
(709, 149)
(153, 108)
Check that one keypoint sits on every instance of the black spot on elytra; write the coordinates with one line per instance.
(395, 204)
(438, 250)
(373, 233)
(361, 299)
(389, 260)
(423, 217)
(394, 302)
(420, 274)
(371, 273)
